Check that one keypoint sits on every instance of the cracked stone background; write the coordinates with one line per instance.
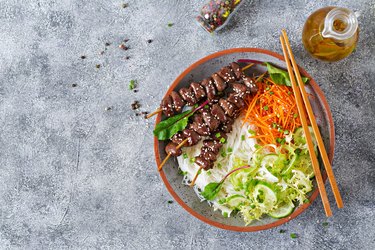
(77, 165)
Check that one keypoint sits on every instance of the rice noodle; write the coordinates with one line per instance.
(241, 150)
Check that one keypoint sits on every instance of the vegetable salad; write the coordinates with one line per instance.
(270, 180)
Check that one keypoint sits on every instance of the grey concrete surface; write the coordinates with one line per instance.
(77, 165)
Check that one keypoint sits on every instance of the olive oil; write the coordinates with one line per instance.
(330, 33)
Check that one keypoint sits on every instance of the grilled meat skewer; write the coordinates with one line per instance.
(208, 88)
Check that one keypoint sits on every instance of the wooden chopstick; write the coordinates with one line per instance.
(302, 115)
(323, 152)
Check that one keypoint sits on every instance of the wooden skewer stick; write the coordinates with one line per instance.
(154, 113)
(196, 176)
(323, 152)
(169, 155)
(302, 115)
(247, 66)
(159, 109)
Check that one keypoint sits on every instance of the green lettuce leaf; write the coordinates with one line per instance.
(211, 190)
(164, 130)
(280, 76)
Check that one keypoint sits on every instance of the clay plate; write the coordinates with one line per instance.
(184, 195)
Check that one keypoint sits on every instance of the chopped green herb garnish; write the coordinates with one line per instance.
(225, 214)
(293, 235)
(295, 115)
(132, 84)
(170, 24)
(185, 156)
(208, 172)
(325, 224)
(223, 153)
(217, 135)
(281, 140)
(289, 92)
(199, 171)
(219, 166)
(192, 160)
(206, 106)
(230, 150)
(170, 202)
(183, 173)
(271, 93)
(222, 201)
(286, 132)
(242, 137)
(267, 88)
(222, 140)
(274, 125)
(252, 132)
(282, 231)
(265, 107)
(257, 146)
(252, 206)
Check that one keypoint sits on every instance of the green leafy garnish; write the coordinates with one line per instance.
(293, 235)
(242, 137)
(222, 140)
(211, 190)
(265, 108)
(282, 231)
(185, 156)
(280, 76)
(295, 115)
(170, 24)
(325, 224)
(164, 130)
(167, 128)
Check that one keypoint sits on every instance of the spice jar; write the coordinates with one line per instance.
(216, 13)
(331, 33)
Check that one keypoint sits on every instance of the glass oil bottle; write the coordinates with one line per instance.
(331, 33)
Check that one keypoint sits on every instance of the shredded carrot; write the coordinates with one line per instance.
(272, 110)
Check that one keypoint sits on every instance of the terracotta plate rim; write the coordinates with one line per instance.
(301, 208)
